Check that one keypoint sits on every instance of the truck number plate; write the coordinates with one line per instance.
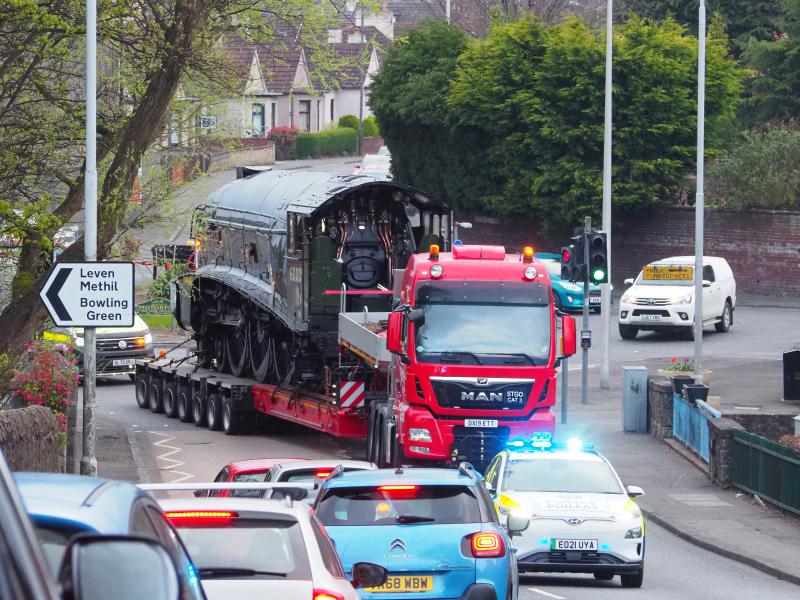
(480, 422)
(559, 544)
(651, 317)
(123, 362)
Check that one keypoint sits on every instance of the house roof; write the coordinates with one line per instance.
(410, 13)
(279, 66)
(347, 72)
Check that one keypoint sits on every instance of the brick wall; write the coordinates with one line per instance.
(371, 145)
(763, 247)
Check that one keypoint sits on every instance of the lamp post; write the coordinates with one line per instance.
(605, 300)
(699, 208)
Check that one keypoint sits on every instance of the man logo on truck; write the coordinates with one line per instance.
(481, 397)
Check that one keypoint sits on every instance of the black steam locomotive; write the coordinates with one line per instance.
(279, 254)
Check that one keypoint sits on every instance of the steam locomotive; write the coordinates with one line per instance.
(279, 254)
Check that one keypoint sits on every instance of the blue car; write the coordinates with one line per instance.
(568, 296)
(435, 530)
(63, 506)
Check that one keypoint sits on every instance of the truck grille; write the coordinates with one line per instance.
(651, 301)
(479, 445)
(638, 312)
(120, 344)
(479, 393)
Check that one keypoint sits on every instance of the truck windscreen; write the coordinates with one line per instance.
(487, 323)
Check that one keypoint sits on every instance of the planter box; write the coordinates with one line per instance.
(671, 374)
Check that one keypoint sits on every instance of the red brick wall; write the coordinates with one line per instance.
(763, 247)
(371, 145)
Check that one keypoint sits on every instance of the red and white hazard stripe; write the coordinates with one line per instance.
(351, 394)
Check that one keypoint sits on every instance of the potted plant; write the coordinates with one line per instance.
(683, 367)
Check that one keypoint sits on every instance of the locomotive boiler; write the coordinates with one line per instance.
(279, 254)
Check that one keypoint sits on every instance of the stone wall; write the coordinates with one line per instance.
(660, 407)
(770, 426)
(29, 439)
(763, 247)
(720, 441)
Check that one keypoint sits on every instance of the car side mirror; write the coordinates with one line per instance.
(634, 491)
(629, 281)
(517, 522)
(393, 334)
(706, 283)
(367, 575)
(417, 317)
(568, 341)
(134, 568)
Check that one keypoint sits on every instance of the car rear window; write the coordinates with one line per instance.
(254, 477)
(376, 506)
(260, 545)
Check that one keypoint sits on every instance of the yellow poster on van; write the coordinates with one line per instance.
(667, 273)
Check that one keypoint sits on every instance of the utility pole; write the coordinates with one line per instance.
(699, 208)
(605, 301)
(89, 460)
(586, 334)
(362, 71)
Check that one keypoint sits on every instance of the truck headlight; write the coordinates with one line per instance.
(419, 435)
(682, 300)
(148, 338)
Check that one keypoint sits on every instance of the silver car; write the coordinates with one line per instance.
(255, 548)
(314, 471)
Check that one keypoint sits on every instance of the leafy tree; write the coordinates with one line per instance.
(774, 91)
(761, 171)
(350, 121)
(408, 97)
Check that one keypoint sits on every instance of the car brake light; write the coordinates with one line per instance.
(200, 516)
(322, 474)
(487, 545)
(326, 595)
(397, 488)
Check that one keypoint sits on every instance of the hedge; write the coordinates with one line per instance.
(332, 142)
(350, 121)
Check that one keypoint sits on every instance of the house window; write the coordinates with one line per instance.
(258, 120)
(174, 130)
(305, 115)
(273, 121)
(319, 114)
(333, 111)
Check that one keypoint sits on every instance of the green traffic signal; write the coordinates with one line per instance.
(598, 275)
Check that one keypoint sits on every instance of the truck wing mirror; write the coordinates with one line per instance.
(568, 341)
(393, 334)
(417, 317)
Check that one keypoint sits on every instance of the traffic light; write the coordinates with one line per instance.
(598, 257)
(572, 260)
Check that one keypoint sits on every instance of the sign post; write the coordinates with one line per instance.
(90, 295)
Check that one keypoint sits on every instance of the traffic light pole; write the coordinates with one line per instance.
(585, 332)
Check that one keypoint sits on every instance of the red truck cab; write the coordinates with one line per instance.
(475, 347)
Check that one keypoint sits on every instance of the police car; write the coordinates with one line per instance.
(582, 519)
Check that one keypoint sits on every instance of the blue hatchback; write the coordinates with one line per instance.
(435, 530)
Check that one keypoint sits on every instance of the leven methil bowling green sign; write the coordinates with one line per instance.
(90, 294)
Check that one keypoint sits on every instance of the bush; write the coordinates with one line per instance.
(371, 127)
(340, 141)
(285, 142)
(349, 121)
(761, 171)
(47, 377)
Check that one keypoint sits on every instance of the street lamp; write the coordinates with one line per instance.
(700, 198)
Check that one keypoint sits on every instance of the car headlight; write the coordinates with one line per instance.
(148, 338)
(572, 287)
(633, 533)
(687, 299)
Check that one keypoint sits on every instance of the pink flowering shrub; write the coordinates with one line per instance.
(47, 376)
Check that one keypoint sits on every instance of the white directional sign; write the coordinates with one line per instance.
(90, 294)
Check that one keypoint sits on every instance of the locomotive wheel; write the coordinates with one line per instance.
(236, 350)
(221, 354)
(260, 355)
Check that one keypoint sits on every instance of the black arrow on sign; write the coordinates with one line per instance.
(52, 294)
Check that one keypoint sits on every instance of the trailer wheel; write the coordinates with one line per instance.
(156, 405)
(213, 412)
(184, 401)
(142, 395)
(198, 411)
(231, 418)
(171, 400)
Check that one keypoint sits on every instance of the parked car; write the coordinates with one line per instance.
(662, 297)
(435, 530)
(255, 548)
(314, 471)
(374, 165)
(89, 561)
(583, 519)
(252, 470)
(118, 348)
(568, 296)
(65, 506)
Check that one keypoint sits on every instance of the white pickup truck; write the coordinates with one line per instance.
(662, 297)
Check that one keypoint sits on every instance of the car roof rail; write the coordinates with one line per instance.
(295, 491)
(467, 469)
(337, 471)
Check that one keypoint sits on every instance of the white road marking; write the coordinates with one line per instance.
(164, 444)
(548, 594)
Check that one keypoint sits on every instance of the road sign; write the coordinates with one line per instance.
(90, 294)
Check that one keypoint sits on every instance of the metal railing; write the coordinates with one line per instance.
(766, 469)
(690, 424)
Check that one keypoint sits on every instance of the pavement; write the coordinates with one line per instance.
(679, 496)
